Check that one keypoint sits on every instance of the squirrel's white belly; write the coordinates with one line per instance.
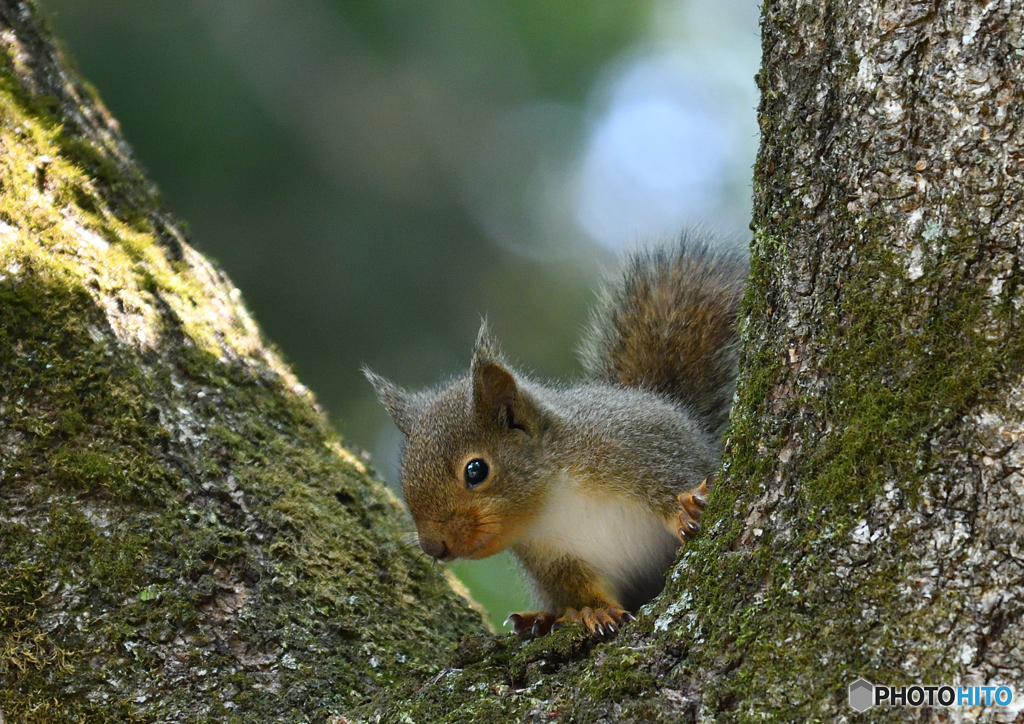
(615, 535)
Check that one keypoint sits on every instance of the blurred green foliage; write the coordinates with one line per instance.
(564, 43)
(567, 42)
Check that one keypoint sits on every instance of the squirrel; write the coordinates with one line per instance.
(594, 486)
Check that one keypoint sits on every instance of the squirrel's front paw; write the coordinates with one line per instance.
(603, 622)
(537, 623)
(692, 504)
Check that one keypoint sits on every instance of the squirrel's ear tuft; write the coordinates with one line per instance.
(486, 345)
(396, 401)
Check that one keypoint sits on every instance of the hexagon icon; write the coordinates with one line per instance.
(862, 695)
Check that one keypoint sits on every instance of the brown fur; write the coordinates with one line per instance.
(668, 325)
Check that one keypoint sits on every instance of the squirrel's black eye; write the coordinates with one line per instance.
(476, 472)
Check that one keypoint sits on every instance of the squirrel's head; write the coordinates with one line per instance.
(473, 466)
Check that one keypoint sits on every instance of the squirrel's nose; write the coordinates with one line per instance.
(434, 548)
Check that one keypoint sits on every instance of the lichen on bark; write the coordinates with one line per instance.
(182, 537)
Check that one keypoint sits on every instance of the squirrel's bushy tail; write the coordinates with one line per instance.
(668, 324)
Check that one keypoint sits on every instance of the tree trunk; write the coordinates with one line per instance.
(182, 539)
(181, 536)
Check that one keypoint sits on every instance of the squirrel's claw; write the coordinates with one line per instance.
(538, 623)
(692, 504)
(600, 622)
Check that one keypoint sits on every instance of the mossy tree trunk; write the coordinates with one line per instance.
(182, 539)
(877, 450)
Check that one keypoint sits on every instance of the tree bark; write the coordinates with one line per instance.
(182, 538)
